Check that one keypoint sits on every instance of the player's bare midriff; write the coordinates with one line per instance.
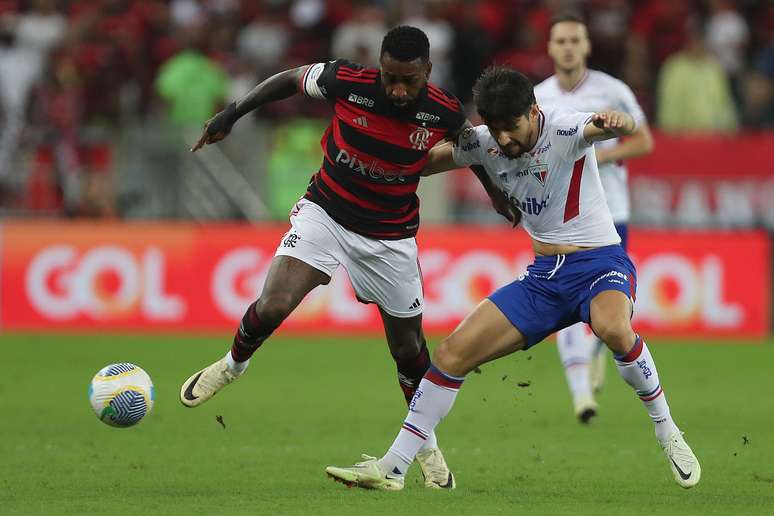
(546, 249)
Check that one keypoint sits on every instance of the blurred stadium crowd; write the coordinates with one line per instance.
(83, 81)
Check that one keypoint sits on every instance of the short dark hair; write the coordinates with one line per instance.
(567, 16)
(406, 43)
(502, 94)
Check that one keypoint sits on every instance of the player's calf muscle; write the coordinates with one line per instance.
(274, 308)
(404, 350)
(404, 336)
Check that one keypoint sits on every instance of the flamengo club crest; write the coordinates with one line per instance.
(420, 138)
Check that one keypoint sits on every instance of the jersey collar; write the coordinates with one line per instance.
(577, 86)
(541, 125)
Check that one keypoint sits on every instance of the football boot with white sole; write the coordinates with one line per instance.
(367, 475)
(685, 466)
(203, 385)
(585, 409)
(435, 470)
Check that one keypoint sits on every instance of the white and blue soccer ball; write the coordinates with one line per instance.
(121, 394)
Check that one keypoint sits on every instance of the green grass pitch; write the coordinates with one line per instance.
(309, 402)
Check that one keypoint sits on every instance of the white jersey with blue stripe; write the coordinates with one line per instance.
(556, 184)
(596, 92)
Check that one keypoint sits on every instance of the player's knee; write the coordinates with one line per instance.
(272, 309)
(617, 334)
(448, 358)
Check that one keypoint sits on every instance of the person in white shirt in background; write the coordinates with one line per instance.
(574, 86)
(26, 40)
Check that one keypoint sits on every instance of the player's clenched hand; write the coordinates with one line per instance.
(217, 127)
(504, 207)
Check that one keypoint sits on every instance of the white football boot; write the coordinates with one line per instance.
(367, 474)
(435, 470)
(203, 385)
(685, 466)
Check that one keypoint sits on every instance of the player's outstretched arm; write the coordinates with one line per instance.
(608, 124)
(639, 143)
(276, 87)
(440, 159)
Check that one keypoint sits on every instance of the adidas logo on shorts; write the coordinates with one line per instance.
(415, 304)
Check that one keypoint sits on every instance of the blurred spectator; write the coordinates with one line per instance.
(727, 37)
(311, 31)
(660, 25)
(187, 13)
(359, 39)
(18, 73)
(25, 43)
(693, 90)
(759, 89)
(608, 29)
(193, 85)
(69, 175)
(305, 14)
(108, 55)
(265, 41)
(527, 48)
(295, 152)
(428, 17)
(113, 59)
(470, 51)
(41, 28)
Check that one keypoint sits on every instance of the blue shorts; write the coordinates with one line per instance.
(556, 291)
(622, 228)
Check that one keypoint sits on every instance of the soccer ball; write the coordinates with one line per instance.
(121, 394)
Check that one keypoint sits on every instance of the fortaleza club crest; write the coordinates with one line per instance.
(420, 138)
(539, 172)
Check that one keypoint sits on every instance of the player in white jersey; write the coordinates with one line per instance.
(543, 159)
(573, 85)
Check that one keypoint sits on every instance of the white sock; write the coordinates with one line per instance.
(234, 366)
(431, 443)
(432, 401)
(638, 369)
(576, 345)
(599, 346)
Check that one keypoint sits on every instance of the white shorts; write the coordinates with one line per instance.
(384, 272)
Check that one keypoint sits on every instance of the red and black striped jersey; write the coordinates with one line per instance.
(373, 150)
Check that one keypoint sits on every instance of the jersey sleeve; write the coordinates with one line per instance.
(457, 119)
(627, 102)
(321, 80)
(568, 133)
(467, 149)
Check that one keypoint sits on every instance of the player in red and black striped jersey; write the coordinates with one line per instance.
(376, 145)
(360, 210)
